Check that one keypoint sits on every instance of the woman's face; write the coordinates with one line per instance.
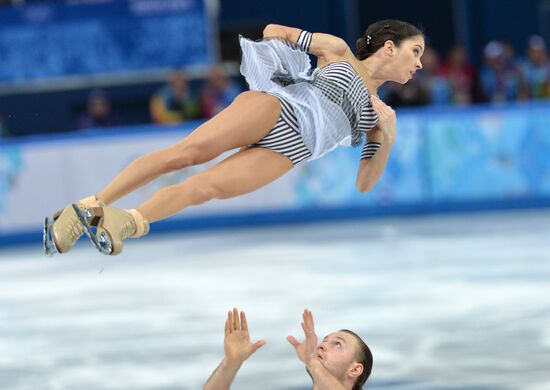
(406, 58)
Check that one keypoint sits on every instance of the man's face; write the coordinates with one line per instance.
(337, 353)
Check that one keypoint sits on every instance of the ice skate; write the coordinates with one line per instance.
(114, 225)
(64, 228)
(47, 240)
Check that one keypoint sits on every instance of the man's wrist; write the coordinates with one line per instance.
(231, 364)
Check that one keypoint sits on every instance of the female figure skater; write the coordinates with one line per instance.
(342, 361)
(291, 114)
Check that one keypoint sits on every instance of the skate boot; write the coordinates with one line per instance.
(114, 225)
(64, 228)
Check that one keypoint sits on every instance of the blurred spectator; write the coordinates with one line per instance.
(430, 77)
(4, 130)
(462, 77)
(500, 76)
(98, 112)
(413, 93)
(536, 68)
(174, 102)
(218, 92)
(508, 53)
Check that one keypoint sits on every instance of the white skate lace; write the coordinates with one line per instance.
(128, 228)
(74, 231)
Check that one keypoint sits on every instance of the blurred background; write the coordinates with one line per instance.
(444, 268)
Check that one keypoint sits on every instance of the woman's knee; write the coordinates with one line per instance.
(200, 189)
(182, 156)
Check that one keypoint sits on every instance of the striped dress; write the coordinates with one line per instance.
(331, 105)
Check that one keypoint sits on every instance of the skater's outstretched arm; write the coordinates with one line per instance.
(237, 348)
(325, 46)
(371, 169)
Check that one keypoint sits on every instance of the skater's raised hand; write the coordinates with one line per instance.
(237, 345)
(307, 349)
(237, 348)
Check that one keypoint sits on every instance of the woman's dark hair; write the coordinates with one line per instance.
(385, 30)
(363, 356)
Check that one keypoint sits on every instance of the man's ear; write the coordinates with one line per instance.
(356, 370)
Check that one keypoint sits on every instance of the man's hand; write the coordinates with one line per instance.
(306, 350)
(237, 345)
(237, 348)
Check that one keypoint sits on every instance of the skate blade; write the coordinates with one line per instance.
(87, 219)
(49, 244)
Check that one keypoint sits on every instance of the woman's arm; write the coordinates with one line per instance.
(371, 169)
(322, 45)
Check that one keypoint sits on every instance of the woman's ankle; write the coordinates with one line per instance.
(91, 201)
(142, 226)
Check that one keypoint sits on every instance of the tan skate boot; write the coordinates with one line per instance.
(61, 233)
(116, 225)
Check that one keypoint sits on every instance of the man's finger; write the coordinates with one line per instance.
(258, 344)
(244, 323)
(230, 320)
(227, 327)
(236, 322)
(311, 321)
(293, 341)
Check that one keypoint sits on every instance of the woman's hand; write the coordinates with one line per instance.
(306, 350)
(386, 119)
(237, 345)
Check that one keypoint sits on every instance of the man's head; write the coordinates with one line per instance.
(346, 356)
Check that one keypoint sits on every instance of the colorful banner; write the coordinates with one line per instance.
(45, 40)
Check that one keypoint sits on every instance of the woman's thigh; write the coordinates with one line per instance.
(247, 120)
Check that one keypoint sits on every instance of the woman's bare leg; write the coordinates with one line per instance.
(247, 120)
(239, 174)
